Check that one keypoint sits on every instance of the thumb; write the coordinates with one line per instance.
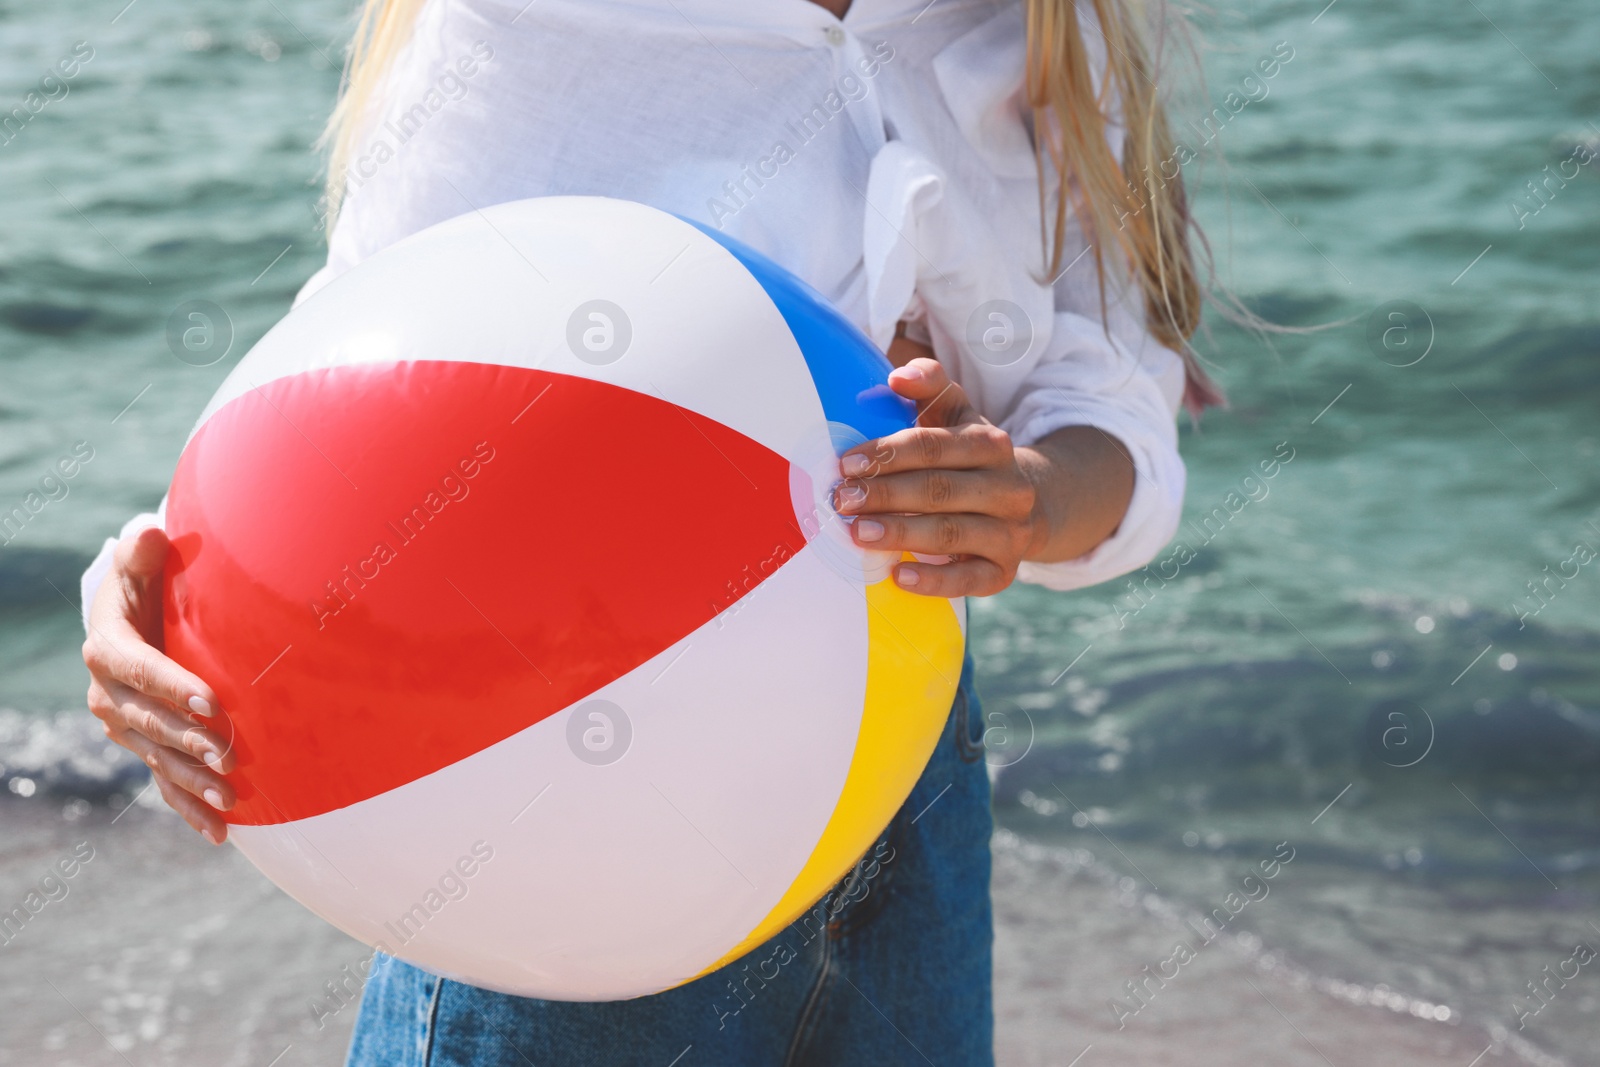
(144, 555)
(940, 401)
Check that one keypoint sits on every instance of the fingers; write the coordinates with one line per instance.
(145, 699)
(125, 618)
(190, 790)
(983, 492)
(951, 535)
(195, 813)
(969, 447)
(123, 708)
(175, 750)
(117, 652)
(949, 485)
(187, 756)
(967, 577)
(940, 401)
(175, 768)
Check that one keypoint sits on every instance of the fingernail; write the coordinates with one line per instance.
(211, 757)
(850, 497)
(869, 530)
(907, 578)
(209, 836)
(213, 798)
(854, 464)
(914, 373)
(200, 706)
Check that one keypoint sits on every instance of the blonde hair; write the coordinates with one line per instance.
(1144, 217)
(381, 31)
(1131, 204)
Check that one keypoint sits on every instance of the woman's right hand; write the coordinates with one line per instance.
(151, 706)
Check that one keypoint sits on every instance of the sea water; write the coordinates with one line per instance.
(1373, 641)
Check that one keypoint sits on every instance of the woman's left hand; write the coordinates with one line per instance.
(950, 485)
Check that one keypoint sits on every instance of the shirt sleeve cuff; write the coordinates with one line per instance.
(1131, 404)
(1150, 522)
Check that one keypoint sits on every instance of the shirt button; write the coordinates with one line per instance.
(835, 35)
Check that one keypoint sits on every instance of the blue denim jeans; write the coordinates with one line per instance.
(892, 967)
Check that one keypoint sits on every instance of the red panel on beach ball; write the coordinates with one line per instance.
(385, 568)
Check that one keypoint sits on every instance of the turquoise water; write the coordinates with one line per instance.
(1347, 632)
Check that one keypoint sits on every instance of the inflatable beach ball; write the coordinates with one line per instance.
(547, 663)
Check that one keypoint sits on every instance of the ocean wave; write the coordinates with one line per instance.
(45, 317)
(1549, 364)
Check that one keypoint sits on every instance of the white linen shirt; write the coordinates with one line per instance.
(885, 158)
